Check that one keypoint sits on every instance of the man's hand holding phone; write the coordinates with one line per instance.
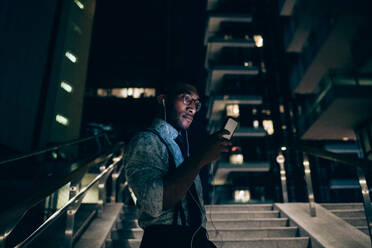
(214, 146)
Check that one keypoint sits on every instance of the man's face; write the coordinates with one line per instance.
(184, 113)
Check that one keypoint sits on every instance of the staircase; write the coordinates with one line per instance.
(353, 213)
(229, 226)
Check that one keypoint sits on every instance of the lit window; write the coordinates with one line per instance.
(227, 37)
(236, 158)
(345, 138)
(101, 92)
(365, 81)
(281, 108)
(232, 110)
(284, 127)
(124, 93)
(248, 64)
(71, 57)
(130, 91)
(283, 148)
(137, 92)
(66, 86)
(79, 4)
(268, 126)
(256, 123)
(258, 40)
(62, 120)
(149, 92)
(117, 92)
(254, 111)
(242, 195)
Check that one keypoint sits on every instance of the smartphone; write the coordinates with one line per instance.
(230, 125)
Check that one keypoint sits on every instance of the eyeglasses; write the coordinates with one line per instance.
(187, 99)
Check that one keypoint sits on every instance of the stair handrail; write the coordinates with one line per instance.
(358, 163)
(53, 148)
(344, 159)
(73, 200)
(13, 214)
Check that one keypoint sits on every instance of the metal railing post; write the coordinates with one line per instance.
(366, 199)
(115, 177)
(70, 218)
(309, 185)
(102, 192)
(280, 159)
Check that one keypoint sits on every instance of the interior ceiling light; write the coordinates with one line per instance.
(258, 40)
(256, 123)
(232, 110)
(236, 158)
(62, 120)
(71, 57)
(242, 195)
(268, 126)
(79, 4)
(67, 87)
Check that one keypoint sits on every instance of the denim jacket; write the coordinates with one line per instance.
(146, 164)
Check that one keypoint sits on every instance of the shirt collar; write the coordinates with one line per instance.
(165, 129)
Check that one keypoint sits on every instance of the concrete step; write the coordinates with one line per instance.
(98, 233)
(349, 213)
(298, 242)
(232, 234)
(237, 215)
(364, 229)
(224, 224)
(239, 207)
(251, 233)
(355, 221)
(249, 223)
(334, 206)
(219, 215)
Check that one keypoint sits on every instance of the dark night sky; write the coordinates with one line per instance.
(131, 42)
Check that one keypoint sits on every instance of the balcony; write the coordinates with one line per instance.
(341, 104)
(219, 75)
(286, 7)
(217, 106)
(306, 17)
(223, 171)
(216, 45)
(250, 132)
(214, 22)
(235, 6)
(327, 48)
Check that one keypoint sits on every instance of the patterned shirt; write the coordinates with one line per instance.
(146, 164)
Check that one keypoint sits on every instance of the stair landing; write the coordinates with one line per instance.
(326, 229)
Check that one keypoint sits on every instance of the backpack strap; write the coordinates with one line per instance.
(172, 165)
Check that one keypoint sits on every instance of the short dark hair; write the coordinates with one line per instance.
(173, 90)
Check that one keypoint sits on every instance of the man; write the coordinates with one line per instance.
(164, 176)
